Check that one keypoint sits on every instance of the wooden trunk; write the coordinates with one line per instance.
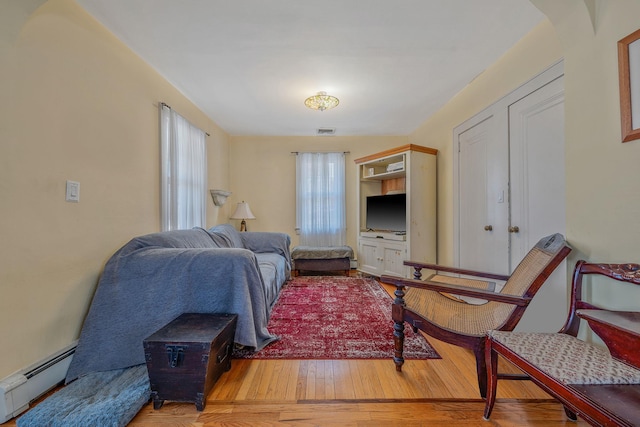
(187, 356)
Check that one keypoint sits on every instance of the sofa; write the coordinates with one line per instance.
(156, 277)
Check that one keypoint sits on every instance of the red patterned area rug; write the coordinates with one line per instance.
(329, 317)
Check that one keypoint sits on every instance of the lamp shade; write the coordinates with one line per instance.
(243, 211)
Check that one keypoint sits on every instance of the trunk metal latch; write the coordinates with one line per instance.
(175, 354)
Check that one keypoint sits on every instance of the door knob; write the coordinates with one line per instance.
(488, 227)
(514, 229)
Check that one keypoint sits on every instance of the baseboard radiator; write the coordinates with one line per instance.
(18, 390)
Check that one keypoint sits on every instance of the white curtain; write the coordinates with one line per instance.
(183, 172)
(320, 199)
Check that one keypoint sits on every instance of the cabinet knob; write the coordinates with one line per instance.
(488, 227)
(514, 229)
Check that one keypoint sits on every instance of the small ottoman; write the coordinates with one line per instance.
(326, 258)
(188, 355)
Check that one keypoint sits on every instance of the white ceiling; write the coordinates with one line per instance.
(250, 64)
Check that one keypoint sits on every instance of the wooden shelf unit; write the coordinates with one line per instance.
(409, 169)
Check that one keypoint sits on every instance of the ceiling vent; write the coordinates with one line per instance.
(326, 131)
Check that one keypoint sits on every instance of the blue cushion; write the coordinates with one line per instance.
(227, 233)
(194, 238)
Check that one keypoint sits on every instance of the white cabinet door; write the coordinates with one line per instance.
(380, 256)
(393, 256)
(368, 257)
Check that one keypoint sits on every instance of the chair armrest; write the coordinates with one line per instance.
(419, 265)
(457, 290)
(629, 273)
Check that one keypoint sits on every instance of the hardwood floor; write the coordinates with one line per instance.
(440, 392)
(360, 393)
(436, 392)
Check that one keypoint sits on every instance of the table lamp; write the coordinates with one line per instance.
(243, 212)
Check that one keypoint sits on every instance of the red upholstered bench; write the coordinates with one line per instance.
(601, 385)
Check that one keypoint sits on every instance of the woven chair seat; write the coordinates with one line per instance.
(459, 316)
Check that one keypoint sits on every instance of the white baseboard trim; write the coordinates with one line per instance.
(18, 390)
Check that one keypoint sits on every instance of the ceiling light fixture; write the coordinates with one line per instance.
(321, 101)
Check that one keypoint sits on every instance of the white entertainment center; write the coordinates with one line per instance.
(409, 170)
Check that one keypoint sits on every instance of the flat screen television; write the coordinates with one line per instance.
(387, 212)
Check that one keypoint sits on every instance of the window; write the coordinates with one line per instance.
(320, 199)
(183, 172)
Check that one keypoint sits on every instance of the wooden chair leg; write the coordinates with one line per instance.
(570, 414)
(398, 341)
(481, 368)
(491, 361)
(397, 314)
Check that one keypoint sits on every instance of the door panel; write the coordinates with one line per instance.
(537, 192)
(368, 257)
(537, 195)
(393, 257)
(483, 177)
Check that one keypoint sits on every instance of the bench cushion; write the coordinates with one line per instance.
(326, 252)
(567, 359)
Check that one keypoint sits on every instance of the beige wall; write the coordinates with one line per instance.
(603, 177)
(264, 170)
(602, 174)
(534, 53)
(76, 104)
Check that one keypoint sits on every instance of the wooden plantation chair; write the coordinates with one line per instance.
(433, 306)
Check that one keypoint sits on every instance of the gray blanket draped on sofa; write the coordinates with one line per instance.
(154, 278)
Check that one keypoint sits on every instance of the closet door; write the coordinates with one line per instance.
(536, 161)
(509, 177)
(484, 210)
(537, 196)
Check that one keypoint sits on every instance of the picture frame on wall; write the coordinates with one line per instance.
(629, 74)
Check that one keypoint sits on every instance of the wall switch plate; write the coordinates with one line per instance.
(73, 192)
